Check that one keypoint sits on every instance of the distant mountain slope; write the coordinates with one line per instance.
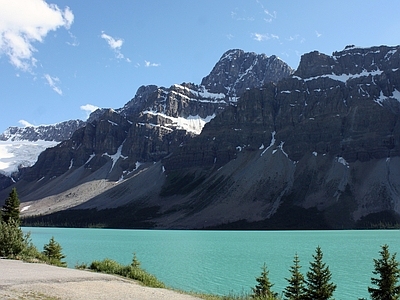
(20, 147)
(315, 148)
(156, 121)
(55, 133)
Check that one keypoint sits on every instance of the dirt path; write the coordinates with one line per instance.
(19, 280)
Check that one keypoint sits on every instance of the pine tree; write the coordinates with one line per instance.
(11, 239)
(53, 252)
(135, 262)
(263, 289)
(318, 285)
(387, 268)
(10, 210)
(296, 289)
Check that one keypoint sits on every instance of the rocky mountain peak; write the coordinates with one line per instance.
(319, 147)
(238, 70)
(55, 132)
(350, 61)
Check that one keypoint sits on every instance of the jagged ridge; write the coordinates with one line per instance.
(319, 149)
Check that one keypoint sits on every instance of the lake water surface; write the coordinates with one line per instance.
(223, 262)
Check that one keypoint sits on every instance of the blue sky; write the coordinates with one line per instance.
(59, 58)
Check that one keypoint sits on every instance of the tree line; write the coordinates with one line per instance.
(316, 285)
(15, 244)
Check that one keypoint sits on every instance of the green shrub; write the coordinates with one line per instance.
(29, 252)
(144, 277)
(132, 271)
(81, 266)
(11, 239)
(107, 266)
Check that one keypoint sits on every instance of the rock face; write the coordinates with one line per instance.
(237, 71)
(317, 148)
(336, 123)
(156, 121)
(57, 132)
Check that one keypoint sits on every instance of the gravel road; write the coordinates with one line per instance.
(20, 280)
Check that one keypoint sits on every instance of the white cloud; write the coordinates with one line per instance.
(149, 64)
(259, 37)
(115, 44)
(74, 42)
(274, 36)
(235, 16)
(270, 15)
(264, 37)
(89, 108)
(23, 23)
(25, 123)
(53, 83)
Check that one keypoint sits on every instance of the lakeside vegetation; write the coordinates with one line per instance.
(315, 285)
(132, 271)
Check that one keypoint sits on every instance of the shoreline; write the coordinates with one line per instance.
(23, 280)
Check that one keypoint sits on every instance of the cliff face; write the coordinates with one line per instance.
(336, 123)
(237, 71)
(317, 148)
(156, 121)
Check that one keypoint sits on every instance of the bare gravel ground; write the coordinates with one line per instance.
(20, 280)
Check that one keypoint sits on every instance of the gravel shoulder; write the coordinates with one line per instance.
(20, 280)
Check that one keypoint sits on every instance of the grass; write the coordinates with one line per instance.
(134, 272)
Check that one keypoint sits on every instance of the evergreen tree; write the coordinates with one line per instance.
(263, 288)
(387, 268)
(11, 239)
(135, 262)
(10, 210)
(318, 285)
(53, 252)
(296, 289)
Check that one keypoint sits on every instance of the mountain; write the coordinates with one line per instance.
(54, 133)
(156, 120)
(20, 147)
(238, 71)
(317, 150)
(314, 148)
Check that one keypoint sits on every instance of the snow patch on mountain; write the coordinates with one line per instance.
(201, 93)
(395, 95)
(192, 124)
(116, 156)
(20, 154)
(342, 77)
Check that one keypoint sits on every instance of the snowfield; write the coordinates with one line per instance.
(19, 154)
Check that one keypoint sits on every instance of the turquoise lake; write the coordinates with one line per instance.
(223, 262)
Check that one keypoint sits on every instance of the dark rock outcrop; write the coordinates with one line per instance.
(237, 71)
